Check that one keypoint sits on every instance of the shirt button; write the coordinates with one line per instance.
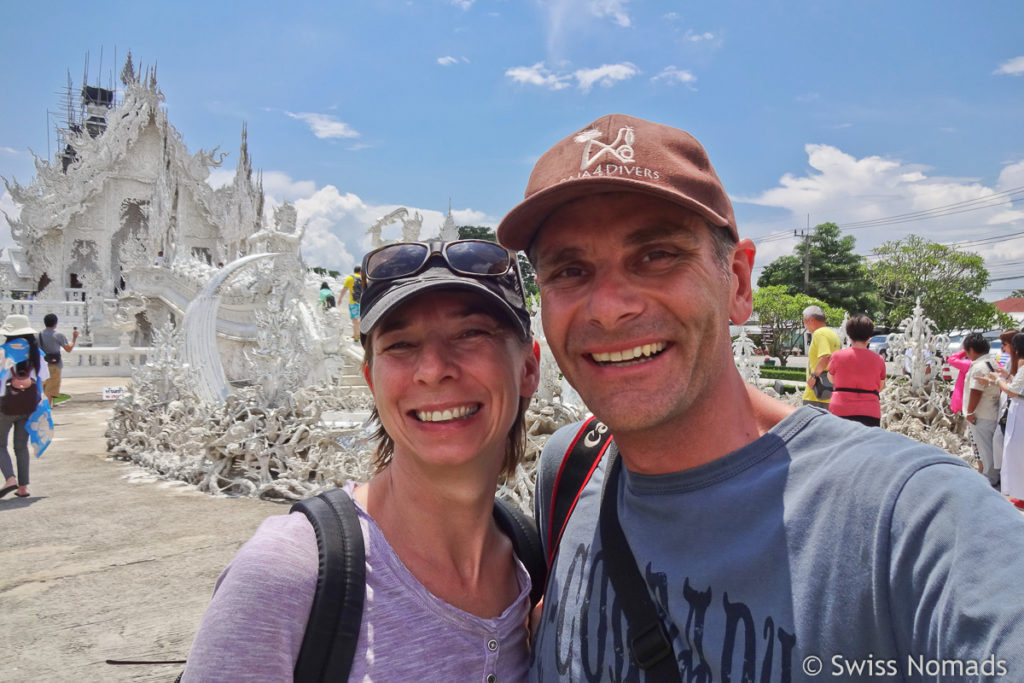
(491, 678)
(492, 645)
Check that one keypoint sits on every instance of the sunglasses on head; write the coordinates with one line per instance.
(477, 258)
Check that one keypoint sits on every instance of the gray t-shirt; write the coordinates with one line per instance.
(52, 341)
(253, 628)
(823, 547)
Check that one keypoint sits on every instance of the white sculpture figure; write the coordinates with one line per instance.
(411, 227)
(747, 362)
(918, 347)
(375, 230)
(844, 338)
(200, 332)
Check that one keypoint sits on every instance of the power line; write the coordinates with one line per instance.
(978, 203)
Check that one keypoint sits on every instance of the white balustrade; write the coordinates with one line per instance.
(103, 361)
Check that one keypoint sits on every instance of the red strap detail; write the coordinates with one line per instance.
(553, 546)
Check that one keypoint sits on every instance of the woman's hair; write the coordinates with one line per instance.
(859, 328)
(1016, 351)
(324, 285)
(33, 351)
(515, 445)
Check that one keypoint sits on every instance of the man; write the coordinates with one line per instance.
(51, 342)
(982, 402)
(824, 342)
(776, 543)
(354, 286)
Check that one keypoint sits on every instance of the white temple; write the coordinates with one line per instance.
(120, 232)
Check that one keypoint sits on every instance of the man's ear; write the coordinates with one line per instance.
(741, 302)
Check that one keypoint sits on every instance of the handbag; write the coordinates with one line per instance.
(823, 387)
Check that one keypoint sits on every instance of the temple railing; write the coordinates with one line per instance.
(103, 361)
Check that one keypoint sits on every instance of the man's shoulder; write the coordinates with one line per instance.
(837, 444)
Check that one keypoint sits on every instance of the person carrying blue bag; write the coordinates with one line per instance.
(23, 407)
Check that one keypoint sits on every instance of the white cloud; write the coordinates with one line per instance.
(325, 126)
(472, 217)
(567, 18)
(844, 189)
(699, 37)
(616, 9)
(1011, 67)
(605, 75)
(538, 75)
(672, 75)
(10, 150)
(463, 4)
(447, 61)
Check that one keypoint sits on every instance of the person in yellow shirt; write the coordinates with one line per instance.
(354, 286)
(824, 342)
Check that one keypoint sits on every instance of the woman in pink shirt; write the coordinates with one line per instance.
(858, 375)
(962, 363)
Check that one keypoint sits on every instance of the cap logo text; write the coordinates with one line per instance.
(621, 148)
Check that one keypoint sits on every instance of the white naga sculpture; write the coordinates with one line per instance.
(411, 226)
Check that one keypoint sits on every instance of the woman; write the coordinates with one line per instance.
(858, 375)
(962, 363)
(1013, 438)
(450, 363)
(20, 382)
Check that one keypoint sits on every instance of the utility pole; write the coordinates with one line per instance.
(806, 234)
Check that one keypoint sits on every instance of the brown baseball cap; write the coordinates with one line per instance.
(619, 153)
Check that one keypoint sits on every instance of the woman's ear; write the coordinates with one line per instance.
(366, 376)
(531, 372)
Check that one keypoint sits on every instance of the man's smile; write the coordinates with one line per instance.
(632, 356)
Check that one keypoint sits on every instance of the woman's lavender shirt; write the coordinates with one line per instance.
(253, 628)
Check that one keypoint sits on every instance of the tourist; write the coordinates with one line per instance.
(450, 363)
(961, 363)
(326, 296)
(23, 370)
(981, 402)
(769, 541)
(1013, 438)
(1004, 362)
(51, 342)
(858, 375)
(824, 342)
(353, 285)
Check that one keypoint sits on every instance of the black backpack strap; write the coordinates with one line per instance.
(526, 543)
(578, 464)
(648, 640)
(332, 632)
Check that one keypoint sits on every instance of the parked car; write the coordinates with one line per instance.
(880, 345)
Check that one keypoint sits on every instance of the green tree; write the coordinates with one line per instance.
(948, 281)
(482, 232)
(1017, 293)
(836, 274)
(780, 315)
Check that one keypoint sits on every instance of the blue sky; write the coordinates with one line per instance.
(840, 111)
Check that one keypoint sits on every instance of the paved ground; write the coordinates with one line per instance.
(104, 561)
